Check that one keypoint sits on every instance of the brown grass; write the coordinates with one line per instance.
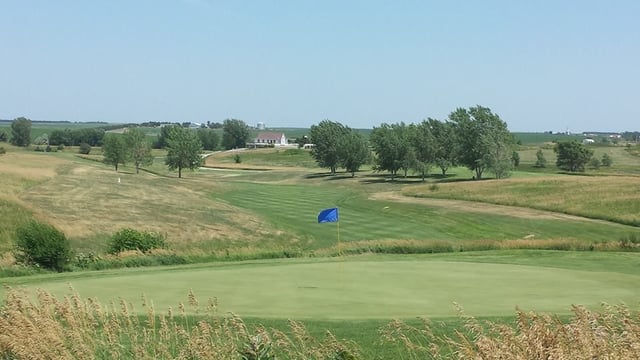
(46, 327)
(77, 328)
(613, 198)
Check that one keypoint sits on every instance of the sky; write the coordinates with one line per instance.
(542, 65)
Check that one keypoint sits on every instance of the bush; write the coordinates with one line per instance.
(237, 159)
(43, 245)
(130, 239)
(2, 150)
(84, 149)
(60, 147)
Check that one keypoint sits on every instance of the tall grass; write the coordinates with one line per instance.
(612, 198)
(72, 327)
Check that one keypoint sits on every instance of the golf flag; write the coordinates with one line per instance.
(328, 215)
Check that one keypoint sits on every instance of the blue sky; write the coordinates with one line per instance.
(541, 65)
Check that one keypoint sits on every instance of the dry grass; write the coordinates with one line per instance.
(76, 328)
(90, 201)
(612, 334)
(613, 198)
(46, 327)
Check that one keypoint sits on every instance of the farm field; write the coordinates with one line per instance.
(540, 241)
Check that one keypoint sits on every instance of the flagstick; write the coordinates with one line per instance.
(339, 247)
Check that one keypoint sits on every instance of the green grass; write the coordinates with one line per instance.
(363, 288)
(291, 157)
(292, 210)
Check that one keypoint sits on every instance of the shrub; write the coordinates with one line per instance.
(60, 147)
(130, 239)
(2, 150)
(237, 159)
(606, 160)
(43, 245)
(84, 148)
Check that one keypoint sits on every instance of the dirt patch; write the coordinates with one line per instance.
(479, 207)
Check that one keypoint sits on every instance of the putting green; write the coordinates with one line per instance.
(362, 289)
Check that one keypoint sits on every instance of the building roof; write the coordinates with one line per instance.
(276, 136)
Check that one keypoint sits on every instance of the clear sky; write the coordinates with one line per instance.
(541, 65)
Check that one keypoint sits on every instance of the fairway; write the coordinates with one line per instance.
(369, 288)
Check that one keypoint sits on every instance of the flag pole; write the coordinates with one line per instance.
(339, 247)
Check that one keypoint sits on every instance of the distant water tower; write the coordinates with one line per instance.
(260, 125)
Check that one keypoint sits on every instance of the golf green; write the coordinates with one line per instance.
(360, 289)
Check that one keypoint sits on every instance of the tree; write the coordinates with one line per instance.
(183, 149)
(424, 147)
(541, 162)
(572, 155)
(138, 148)
(515, 159)
(392, 147)
(594, 163)
(354, 152)
(606, 160)
(3, 136)
(61, 137)
(21, 132)
(445, 144)
(209, 139)
(84, 148)
(484, 141)
(43, 245)
(327, 137)
(235, 134)
(114, 150)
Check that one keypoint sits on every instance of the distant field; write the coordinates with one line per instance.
(615, 198)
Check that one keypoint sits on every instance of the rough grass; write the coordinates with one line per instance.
(612, 198)
(264, 158)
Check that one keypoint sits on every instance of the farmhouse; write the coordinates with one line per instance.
(270, 139)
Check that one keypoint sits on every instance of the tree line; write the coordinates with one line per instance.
(475, 137)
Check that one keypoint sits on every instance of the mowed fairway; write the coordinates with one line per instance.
(372, 287)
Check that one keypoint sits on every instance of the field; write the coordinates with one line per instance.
(541, 241)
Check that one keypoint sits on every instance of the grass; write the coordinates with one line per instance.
(266, 158)
(614, 198)
(292, 210)
(355, 299)
(372, 287)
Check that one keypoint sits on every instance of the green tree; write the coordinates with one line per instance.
(327, 137)
(114, 150)
(484, 142)
(445, 144)
(183, 149)
(84, 148)
(606, 160)
(138, 148)
(235, 134)
(61, 137)
(515, 159)
(42, 245)
(392, 146)
(3, 136)
(572, 155)
(541, 161)
(354, 152)
(209, 139)
(594, 163)
(424, 147)
(21, 132)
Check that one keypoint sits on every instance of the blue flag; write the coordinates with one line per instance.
(328, 215)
